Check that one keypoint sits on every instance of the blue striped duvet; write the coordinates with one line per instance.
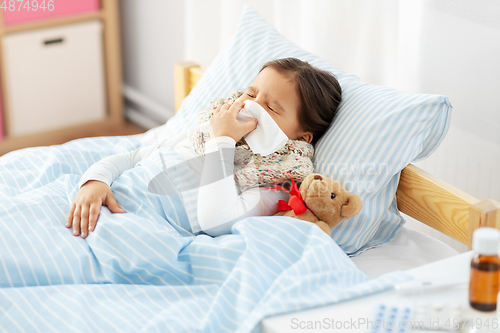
(144, 270)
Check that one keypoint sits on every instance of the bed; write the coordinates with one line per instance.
(144, 271)
(419, 195)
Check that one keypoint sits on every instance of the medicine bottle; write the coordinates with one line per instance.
(484, 282)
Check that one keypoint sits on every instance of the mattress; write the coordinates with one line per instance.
(409, 249)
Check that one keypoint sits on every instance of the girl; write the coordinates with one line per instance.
(300, 98)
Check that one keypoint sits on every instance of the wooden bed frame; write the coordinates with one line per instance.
(420, 195)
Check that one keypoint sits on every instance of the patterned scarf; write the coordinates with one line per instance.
(251, 169)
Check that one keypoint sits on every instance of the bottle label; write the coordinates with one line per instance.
(484, 286)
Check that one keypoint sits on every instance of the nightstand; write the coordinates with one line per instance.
(454, 267)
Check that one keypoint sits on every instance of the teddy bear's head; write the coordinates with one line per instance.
(328, 199)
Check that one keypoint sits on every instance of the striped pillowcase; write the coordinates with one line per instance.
(376, 133)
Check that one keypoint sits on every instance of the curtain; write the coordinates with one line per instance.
(360, 37)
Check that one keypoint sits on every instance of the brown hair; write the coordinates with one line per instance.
(319, 91)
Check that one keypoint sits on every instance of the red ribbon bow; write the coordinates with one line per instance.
(296, 203)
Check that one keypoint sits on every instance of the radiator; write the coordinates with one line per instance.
(143, 111)
(467, 162)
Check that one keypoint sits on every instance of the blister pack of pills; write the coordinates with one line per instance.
(421, 317)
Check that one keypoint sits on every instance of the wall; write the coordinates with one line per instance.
(459, 52)
(152, 41)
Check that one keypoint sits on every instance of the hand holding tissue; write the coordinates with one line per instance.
(268, 136)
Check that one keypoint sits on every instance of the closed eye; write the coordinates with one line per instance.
(249, 95)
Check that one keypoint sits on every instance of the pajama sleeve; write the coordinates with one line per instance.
(219, 205)
(109, 168)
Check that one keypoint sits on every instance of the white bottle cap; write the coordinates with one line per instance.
(485, 241)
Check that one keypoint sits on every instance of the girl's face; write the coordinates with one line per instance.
(278, 95)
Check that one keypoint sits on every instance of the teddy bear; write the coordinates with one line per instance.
(320, 200)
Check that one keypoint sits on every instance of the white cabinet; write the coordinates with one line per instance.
(55, 77)
(60, 73)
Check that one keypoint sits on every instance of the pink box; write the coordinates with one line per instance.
(59, 8)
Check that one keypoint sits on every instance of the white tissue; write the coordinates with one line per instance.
(268, 136)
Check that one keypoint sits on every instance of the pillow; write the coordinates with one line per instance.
(376, 133)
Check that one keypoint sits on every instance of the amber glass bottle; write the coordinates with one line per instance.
(484, 282)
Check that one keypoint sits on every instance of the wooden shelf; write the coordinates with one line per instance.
(56, 137)
(115, 121)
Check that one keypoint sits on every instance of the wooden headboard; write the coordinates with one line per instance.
(420, 195)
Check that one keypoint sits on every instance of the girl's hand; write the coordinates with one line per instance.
(87, 206)
(224, 123)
